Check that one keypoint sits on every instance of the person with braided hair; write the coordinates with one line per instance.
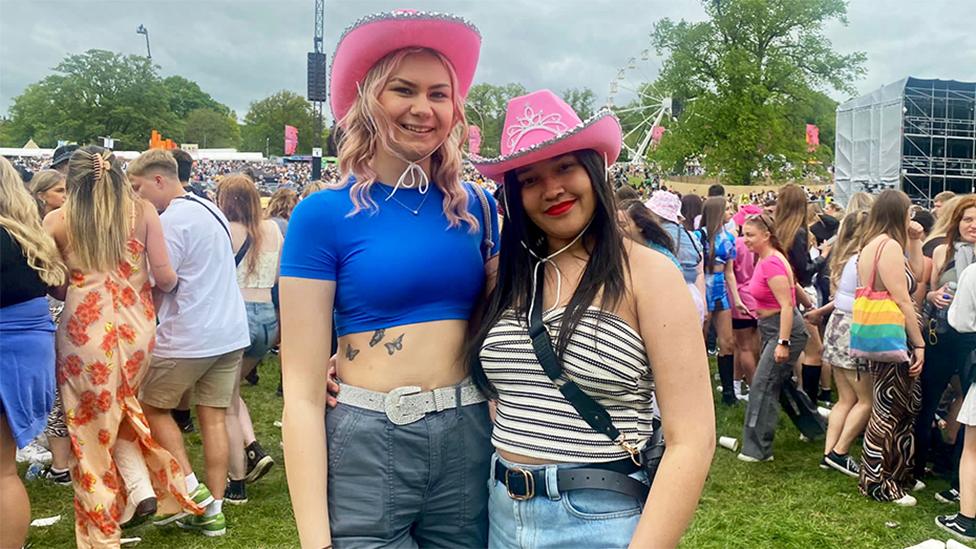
(111, 242)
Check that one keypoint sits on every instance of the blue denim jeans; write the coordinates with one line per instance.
(408, 486)
(579, 518)
(262, 323)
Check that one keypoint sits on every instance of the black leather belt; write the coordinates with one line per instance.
(523, 484)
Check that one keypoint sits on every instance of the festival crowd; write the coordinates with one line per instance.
(504, 372)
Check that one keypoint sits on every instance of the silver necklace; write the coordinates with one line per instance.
(389, 196)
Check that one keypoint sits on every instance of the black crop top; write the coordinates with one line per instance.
(18, 281)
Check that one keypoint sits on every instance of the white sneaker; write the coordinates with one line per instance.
(919, 485)
(750, 459)
(34, 453)
(907, 500)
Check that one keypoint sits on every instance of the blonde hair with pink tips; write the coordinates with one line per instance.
(367, 126)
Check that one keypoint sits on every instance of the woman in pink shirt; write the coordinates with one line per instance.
(781, 331)
(744, 325)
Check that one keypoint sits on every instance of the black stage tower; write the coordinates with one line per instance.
(317, 86)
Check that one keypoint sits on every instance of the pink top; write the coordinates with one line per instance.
(743, 267)
(767, 268)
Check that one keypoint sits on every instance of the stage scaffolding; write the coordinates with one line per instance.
(916, 135)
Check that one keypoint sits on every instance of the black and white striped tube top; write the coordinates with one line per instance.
(605, 357)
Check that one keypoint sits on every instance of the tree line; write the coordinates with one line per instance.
(749, 78)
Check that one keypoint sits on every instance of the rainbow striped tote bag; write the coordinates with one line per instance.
(878, 327)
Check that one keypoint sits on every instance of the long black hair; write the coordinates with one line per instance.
(649, 228)
(603, 275)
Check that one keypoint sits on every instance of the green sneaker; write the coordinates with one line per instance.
(201, 496)
(211, 526)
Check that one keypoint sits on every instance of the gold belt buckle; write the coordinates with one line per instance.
(529, 484)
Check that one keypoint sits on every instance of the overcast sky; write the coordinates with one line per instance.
(243, 50)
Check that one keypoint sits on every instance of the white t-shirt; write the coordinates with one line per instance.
(962, 311)
(205, 316)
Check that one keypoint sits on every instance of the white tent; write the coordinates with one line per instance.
(867, 150)
(917, 135)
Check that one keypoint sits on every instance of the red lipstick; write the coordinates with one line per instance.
(561, 208)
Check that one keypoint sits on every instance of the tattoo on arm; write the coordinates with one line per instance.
(351, 353)
(377, 337)
(395, 345)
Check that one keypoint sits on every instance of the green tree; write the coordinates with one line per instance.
(211, 129)
(485, 108)
(90, 95)
(745, 71)
(582, 101)
(186, 96)
(264, 124)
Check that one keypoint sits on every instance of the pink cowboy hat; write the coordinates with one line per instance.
(745, 211)
(540, 125)
(373, 37)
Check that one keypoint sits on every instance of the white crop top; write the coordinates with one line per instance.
(846, 287)
(266, 269)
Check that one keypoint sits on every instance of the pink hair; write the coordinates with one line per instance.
(360, 139)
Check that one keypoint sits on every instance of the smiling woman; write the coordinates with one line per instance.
(400, 280)
(560, 477)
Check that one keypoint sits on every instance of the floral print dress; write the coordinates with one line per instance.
(104, 343)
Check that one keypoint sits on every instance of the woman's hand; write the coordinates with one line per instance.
(741, 307)
(814, 317)
(915, 231)
(332, 384)
(938, 297)
(781, 354)
(918, 360)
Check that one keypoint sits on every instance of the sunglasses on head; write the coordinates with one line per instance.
(762, 219)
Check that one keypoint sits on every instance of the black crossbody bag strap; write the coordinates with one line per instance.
(239, 256)
(591, 412)
(191, 198)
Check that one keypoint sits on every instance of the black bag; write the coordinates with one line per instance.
(802, 411)
(649, 456)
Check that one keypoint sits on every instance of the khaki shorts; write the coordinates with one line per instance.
(211, 379)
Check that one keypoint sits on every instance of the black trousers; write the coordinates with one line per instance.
(949, 356)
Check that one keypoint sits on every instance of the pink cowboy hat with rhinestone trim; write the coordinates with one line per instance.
(370, 39)
(541, 125)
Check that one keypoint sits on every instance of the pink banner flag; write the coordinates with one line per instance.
(474, 139)
(813, 137)
(291, 139)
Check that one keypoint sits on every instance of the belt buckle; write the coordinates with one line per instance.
(529, 484)
(396, 413)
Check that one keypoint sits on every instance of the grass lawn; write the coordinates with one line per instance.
(786, 503)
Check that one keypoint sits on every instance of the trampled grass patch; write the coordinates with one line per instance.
(788, 503)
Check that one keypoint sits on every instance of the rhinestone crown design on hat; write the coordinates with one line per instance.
(532, 120)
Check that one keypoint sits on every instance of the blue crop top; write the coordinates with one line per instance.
(390, 267)
(724, 246)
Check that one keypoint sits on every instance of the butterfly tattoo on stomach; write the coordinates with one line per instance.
(395, 345)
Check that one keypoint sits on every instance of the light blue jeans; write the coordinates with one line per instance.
(262, 323)
(579, 518)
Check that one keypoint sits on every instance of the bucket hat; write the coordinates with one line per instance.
(666, 205)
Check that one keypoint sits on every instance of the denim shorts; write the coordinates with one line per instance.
(406, 486)
(263, 325)
(578, 518)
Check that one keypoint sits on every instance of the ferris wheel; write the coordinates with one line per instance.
(639, 105)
